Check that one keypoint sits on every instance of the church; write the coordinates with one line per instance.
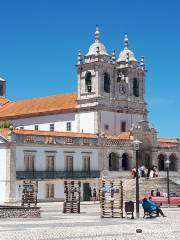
(83, 135)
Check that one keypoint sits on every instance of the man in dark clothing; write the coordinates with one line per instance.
(158, 194)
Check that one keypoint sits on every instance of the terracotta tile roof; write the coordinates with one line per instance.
(121, 136)
(168, 143)
(39, 106)
(54, 134)
(4, 132)
(3, 101)
(168, 140)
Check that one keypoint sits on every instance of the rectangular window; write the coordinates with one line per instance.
(86, 161)
(36, 127)
(69, 163)
(49, 190)
(68, 127)
(51, 127)
(21, 128)
(123, 126)
(50, 163)
(29, 162)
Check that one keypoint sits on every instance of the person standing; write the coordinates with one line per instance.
(94, 194)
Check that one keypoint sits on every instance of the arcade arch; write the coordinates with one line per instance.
(113, 161)
(161, 162)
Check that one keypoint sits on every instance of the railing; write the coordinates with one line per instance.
(56, 174)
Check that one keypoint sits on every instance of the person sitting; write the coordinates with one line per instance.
(151, 207)
(158, 194)
(152, 193)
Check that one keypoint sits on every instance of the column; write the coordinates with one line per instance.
(10, 175)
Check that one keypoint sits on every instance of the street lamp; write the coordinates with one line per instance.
(136, 144)
(167, 162)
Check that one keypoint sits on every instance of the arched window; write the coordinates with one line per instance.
(88, 83)
(136, 87)
(113, 162)
(106, 83)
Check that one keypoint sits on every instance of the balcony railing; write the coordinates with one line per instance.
(56, 174)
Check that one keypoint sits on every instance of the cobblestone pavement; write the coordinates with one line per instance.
(55, 225)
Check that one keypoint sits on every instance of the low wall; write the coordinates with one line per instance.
(19, 212)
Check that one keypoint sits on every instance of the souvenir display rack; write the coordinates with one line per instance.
(72, 197)
(111, 198)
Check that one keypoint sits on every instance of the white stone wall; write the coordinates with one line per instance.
(58, 188)
(60, 153)
(59, 121)
(3, 157)
(114, 120)
(87, 122)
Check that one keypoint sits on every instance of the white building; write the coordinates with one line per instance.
(79, 136)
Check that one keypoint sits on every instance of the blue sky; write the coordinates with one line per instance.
(40, 39)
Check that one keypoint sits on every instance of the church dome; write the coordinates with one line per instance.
(97, 47)
(123, 56)
(126, 52)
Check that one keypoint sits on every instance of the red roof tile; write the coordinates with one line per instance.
(167, 140)
(39, 106)
(54, 134)
(3, 101)
(121, 136)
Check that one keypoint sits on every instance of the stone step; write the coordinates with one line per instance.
(146, 185)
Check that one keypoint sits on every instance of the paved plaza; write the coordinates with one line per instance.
(54, 225)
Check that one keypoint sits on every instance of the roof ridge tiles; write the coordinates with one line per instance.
(43, 97)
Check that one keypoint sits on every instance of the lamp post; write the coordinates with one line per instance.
(167, 162)
(136, 144)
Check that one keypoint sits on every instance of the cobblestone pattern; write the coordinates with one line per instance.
(55, 225)
(8, 212)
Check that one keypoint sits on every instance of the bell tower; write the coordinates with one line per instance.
(110, 91)
(130, 81)
(95, 75)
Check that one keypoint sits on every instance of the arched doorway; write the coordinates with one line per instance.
(161, 162)
(125, 162)
(172, 159)
(113, 162)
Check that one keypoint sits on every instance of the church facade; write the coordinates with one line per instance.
(82, 135)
